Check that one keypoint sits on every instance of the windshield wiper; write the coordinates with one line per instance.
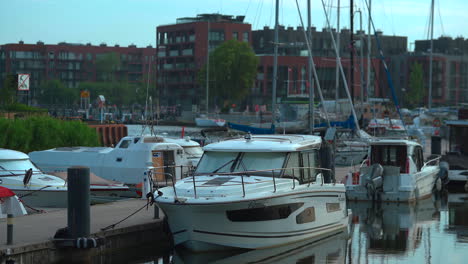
(224, 165)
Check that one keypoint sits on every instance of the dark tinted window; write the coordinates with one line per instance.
(266, 213)
(307, 216)
(386, 155)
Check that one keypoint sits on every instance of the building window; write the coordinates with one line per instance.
(245, 37)
(216, 35)
(235, 35)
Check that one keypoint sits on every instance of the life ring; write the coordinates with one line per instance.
(436, 122)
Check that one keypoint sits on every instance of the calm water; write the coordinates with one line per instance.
(432, 231)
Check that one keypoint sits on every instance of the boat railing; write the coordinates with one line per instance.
(274, 172)
(432, 162)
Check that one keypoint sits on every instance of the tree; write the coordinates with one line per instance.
(54, 92)
(106, 66)
(8, 91)
(416, 92)
(233, 67)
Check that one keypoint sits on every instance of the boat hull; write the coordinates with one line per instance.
(395, 189)
(43, 198)
(259, 223)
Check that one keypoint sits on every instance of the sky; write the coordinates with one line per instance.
(126, 22)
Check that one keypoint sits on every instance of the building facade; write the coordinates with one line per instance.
(182, 51)
(72, 63)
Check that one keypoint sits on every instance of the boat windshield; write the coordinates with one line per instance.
(16, 167)
(224, 162)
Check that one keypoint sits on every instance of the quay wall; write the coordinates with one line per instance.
(111, 242)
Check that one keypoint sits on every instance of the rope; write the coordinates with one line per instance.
(40, 189)
(112, 226)
(33, 209)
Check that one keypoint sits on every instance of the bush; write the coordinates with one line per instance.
(16, 107)
(39, 133)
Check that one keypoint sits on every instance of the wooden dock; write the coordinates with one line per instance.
(33, 234)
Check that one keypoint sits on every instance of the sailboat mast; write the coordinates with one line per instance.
(351, 51)
(368, 52)
(207, 66)
(309, 74)
(429, 104)
(337, 76)
(341, 68)
(275, 65)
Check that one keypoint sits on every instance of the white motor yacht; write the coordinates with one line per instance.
(39, 189)
(33, 187)
(130, 160)
(254, 192)
(394, 171)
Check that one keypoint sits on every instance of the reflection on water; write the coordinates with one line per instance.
(326, 249)
(431, 231)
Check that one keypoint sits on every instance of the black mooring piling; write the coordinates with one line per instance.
(78, 202)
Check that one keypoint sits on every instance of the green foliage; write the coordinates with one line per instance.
(17, 107)
(416, 91)
(8, 91)
(106, 66)
(54, 92)
(120, 93)
(39, 133)
(233, 67)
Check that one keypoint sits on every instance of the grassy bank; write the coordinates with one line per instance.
(39, 133)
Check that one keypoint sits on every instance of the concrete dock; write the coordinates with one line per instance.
(33, 234)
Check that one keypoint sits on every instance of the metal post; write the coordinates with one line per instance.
(9, 229)
(78, 202)
(243, 189)
(194, 187)
(274, 181)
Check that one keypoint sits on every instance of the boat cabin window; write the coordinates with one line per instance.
(302, 166)
(16, 167)
(293, 166)
(125, 143)
(310, 161)
(389, 155)
(263, 163)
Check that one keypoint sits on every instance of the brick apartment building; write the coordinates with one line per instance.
(182, 50)
(450, 70)
(71, 63)
(293, 65)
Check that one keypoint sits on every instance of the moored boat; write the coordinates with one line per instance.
(254, 192)
(32, 186)
(129, 162)
(395, 171)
